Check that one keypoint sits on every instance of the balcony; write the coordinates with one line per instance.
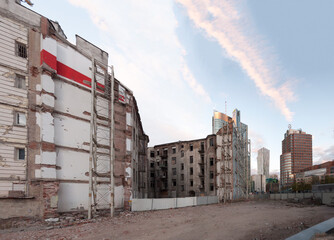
(201, 150)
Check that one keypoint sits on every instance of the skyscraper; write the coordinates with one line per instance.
(296, 154)
(263, 158)
(219, 120)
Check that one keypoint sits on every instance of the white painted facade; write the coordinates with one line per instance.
(13, 100)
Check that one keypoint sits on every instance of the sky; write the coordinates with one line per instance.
(272, 60)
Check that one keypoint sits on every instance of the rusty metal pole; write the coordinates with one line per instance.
(90, 191)
(112, 157)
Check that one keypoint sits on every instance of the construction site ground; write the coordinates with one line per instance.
(262, 219)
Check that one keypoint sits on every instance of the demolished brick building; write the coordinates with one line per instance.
(45, 116)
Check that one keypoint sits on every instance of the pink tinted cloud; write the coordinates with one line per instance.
(221, 20)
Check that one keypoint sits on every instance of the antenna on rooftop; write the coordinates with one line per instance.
(225, 106)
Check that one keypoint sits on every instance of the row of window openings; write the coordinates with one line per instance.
(191, 148)
(191, 160)
(182, 175)
(182, 186)
(192, 184)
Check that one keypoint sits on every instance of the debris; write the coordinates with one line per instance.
(52, 220)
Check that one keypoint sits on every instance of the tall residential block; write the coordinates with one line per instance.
(296, 155)
(263, 160)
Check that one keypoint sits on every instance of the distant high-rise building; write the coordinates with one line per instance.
(263, 158)
(219, 120)
(296, 154)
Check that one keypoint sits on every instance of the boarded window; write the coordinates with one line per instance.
(211, 141)
(20, 154)
(20, 119)
(182, 188)
(182, 153)
(20, 81)
(21, 50)
(128, 144)
(121, 94)
(128, 119)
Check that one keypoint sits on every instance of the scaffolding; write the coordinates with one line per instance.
(101, 177)
(226, 167)
(235, 161)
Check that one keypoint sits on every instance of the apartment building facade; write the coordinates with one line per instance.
(296, 155)
(46, 109)
(183, 169)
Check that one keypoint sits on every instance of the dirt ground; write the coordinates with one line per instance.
(241, 220)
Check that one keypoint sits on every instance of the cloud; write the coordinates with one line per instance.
(321, 155)
(148, 58)
(195, 86)
(257, 141)
(222, 21)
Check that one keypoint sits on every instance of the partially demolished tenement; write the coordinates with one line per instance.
(216, 165)
(46, 127)
(183, 169)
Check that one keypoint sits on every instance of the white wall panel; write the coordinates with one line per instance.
(72, 197)
(71, 132)
(73, 165)
(72, 100)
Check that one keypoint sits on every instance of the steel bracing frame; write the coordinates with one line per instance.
(101, 158)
